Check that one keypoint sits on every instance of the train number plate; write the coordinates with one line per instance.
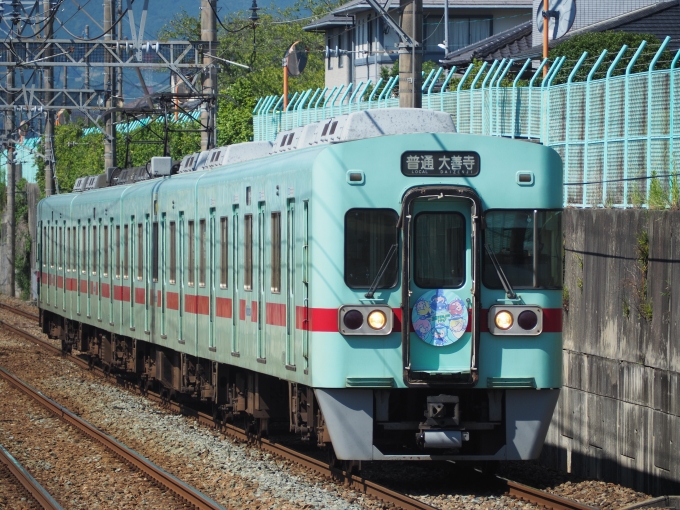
(440, 164)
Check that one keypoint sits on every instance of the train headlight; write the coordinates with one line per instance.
(515, 320)
(377, 319)
(365, 320)
(353, 319)
(503, 320)
(527, 320)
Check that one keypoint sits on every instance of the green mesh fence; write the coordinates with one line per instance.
(617, 131)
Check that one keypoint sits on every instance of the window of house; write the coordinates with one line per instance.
(462, 31)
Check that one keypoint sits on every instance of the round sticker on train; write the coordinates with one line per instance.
(440, 317)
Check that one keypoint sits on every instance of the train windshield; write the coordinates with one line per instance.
(369, 235)
(439, 254)
(528, 246)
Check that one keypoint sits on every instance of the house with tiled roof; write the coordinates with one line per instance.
(658, 17)
(366, 43)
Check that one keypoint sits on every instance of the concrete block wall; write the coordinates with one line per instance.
(618, 417)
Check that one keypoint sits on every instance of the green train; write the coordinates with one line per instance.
(375, 282)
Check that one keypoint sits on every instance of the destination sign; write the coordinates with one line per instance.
(440, 163)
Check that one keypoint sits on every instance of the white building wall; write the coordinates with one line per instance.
(590, 11)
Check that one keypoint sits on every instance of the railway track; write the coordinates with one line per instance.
(183, 491)
(514, 489)
(37, 491)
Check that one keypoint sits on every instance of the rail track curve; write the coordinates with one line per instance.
(514, 489)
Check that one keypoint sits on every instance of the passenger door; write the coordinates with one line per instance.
(440, 283)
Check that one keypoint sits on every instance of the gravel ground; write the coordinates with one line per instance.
(245, 477)
(68, 464)
(12, 493)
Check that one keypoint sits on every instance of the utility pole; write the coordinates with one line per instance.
(110, 86)
(411, 62)
(49, 116)
(209, 35)
(119, 89)
(11, 185)
(546, 27)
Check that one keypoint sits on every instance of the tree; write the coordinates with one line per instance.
(595, 42)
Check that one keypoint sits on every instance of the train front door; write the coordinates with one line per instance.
(440, 272)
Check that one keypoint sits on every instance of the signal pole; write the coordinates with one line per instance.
(110, 86)
(546, 27)
(49, 116)
(11, 185)
(411, 62)
(208, 34)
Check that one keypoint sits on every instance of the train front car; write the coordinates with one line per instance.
(435, 306)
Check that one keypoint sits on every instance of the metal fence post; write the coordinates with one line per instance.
(605, 163)
(351, 98)
(671, 124)
(429, 89)
(334, 98)
(489, 76)
(472, 91)
(586, 131)
(515, 101)
(497, 94)
(389, 89)
(458, 89)
(330, 96)
(375, 89)
(652, 64)
(531, 92)
(443, 89)
(567, 144)
(316, 105)
(363, 93)
(546, 97)
(382, 93)
(626, 106)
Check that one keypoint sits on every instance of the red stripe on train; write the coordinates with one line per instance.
(276, 314)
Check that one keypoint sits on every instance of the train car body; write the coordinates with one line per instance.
(345, 286)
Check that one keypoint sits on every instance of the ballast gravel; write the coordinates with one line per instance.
(239, 476)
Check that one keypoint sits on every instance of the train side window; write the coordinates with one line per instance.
(247, 195)
(95, 251)
(192, 248)
(370, 235)
(74, 247)
(140, 251)
(68, 249)
(248, 252)
(224, 252)
(83, 251)
(117, 242)
(201, 253)
(276, 252)
(527, 244)
(173, 254)
(105, 269)
(53, 241)
(44, 247)
(60, 248)
(154, 252)
(126, 251)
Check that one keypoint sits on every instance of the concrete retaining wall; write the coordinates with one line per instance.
(618, 418)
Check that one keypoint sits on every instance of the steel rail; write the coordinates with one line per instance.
(539, 497)
(18, 311)
(36, 490)
(178, 487)
(513, 489)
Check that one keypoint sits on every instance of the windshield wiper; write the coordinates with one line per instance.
(501, 275)
(381, 271)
